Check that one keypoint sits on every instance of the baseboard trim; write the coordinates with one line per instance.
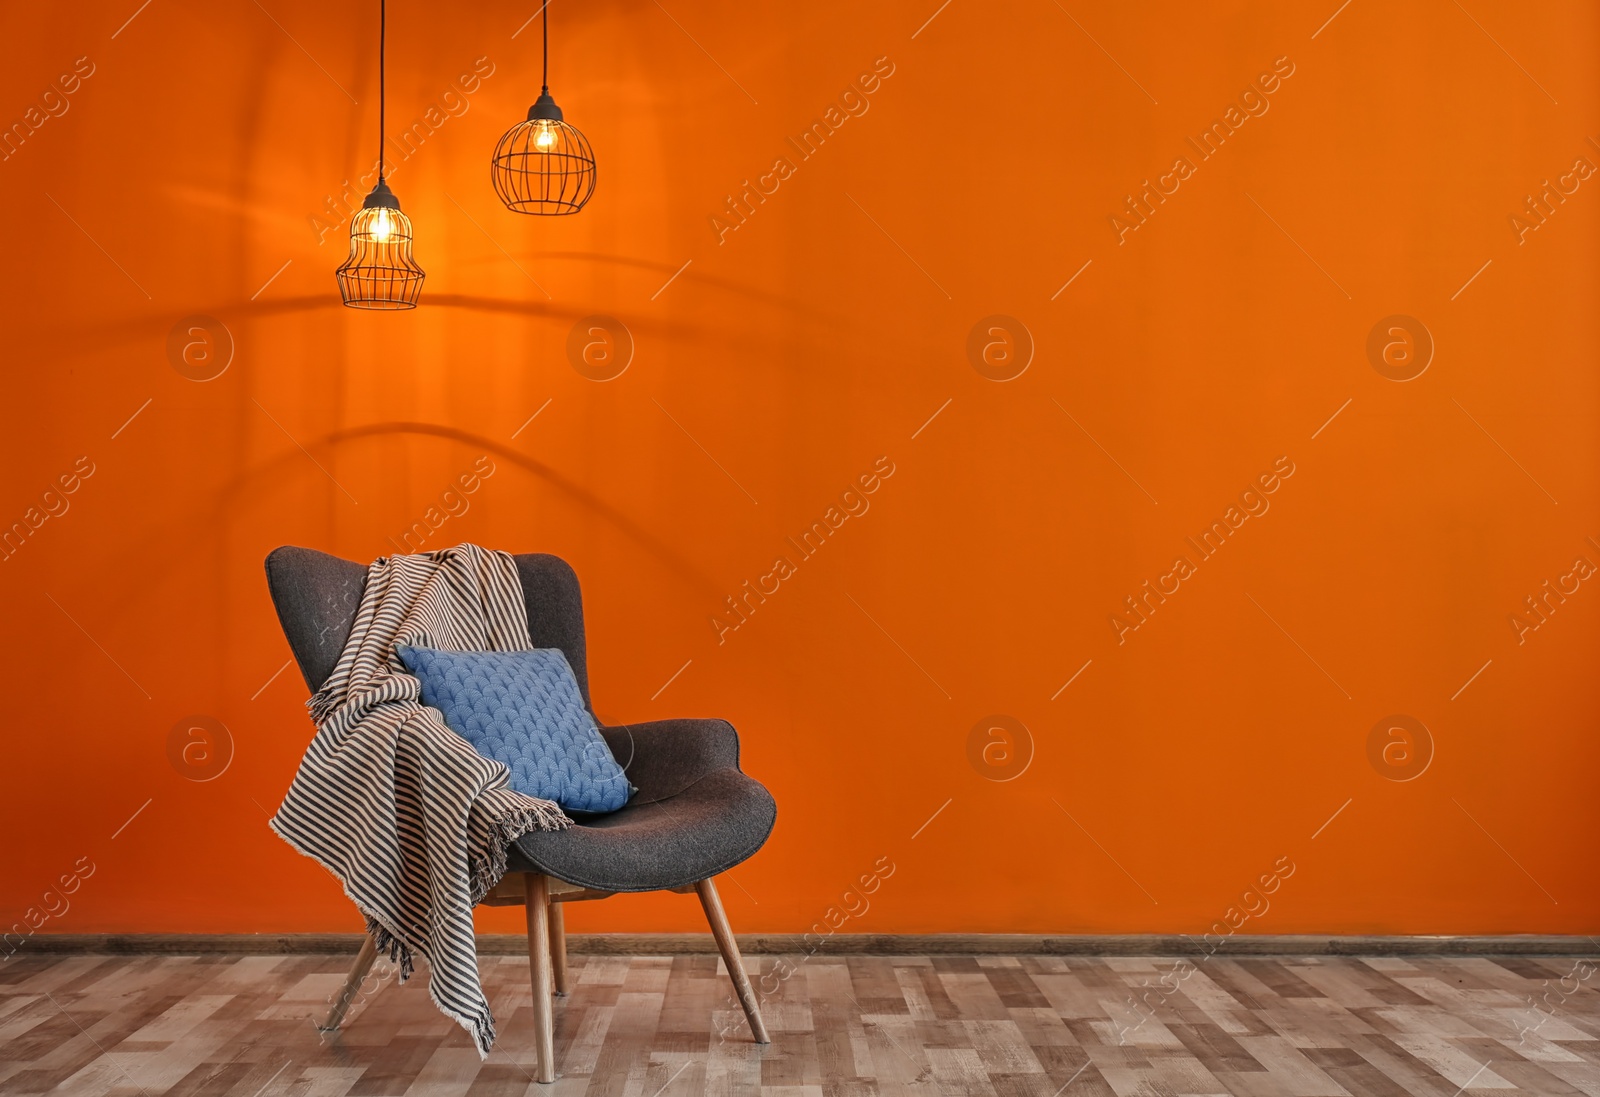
(937, 944)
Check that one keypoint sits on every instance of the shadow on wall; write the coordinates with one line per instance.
(124, 334)
(653, 546)
(156, 562)
(135, 334)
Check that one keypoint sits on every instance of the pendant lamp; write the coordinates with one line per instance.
(380, 272)
(543, 165)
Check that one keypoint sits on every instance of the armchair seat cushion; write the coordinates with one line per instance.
(705, 828)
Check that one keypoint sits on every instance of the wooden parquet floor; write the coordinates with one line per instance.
(856, 1026)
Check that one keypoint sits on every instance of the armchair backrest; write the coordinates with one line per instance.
(317, 595)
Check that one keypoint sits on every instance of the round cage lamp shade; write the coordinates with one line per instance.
(543, 165)
(380, 272)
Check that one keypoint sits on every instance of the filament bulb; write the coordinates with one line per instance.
(382, 226)
(544, 136)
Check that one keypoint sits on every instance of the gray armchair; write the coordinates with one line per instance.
(695, 814)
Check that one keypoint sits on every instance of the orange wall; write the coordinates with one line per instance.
(786, 359)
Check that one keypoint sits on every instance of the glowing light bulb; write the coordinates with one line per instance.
(382, 226)
(544, 137)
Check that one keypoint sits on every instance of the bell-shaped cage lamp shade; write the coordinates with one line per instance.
(380, 272)
(543, 165)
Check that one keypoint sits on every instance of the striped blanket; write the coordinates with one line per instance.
(410, 818)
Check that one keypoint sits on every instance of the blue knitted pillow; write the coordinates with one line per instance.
(524, 708)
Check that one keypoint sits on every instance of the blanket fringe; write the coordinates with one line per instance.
(480, 1026)
(390, 945)
(321, 705)
(485, 873)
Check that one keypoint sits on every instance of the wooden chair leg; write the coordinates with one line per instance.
(537, 900)
(558, 946)
(730, 956)
(352, 984)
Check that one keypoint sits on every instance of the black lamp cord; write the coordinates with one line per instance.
(383, 26)
(546, 25)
